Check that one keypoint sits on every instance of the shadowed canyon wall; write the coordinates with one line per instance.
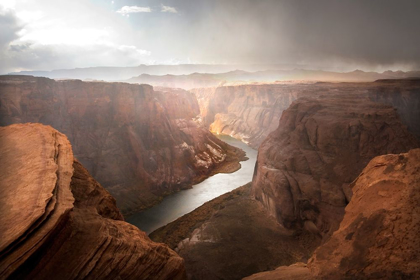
(301, 185)
(304, 168)
(378, 237)
(251, 112)
(57, 222)
(140, 144)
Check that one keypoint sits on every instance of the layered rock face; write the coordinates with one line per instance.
(251, 112)
(304, 168)
(57, 222)
(302, 185)
(378, 237)
(246, 112)
(140, 144)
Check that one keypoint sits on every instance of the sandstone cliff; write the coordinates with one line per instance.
(246, 112)
(140, 144)
(251, 112)
(305, 166)
(378, 237)
(302, 179)
(57, 222)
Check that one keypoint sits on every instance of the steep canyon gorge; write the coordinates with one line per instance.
(251, 112)
(377, 238)
(209, 140)
(313, 186)
(301, 186)
(140, 144)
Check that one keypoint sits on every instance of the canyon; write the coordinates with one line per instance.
(209, 140)
(304, 168)
(140, 144)
(377, 238)
(301, 186)
(251, 112)
(64, 225)
(308, 193)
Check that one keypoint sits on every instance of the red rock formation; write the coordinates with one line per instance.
(302, 178)
(378, 237)
(297, 271)
(138, 143)
(251, 112)
(57, 222)
(321, 145)
(246, 112)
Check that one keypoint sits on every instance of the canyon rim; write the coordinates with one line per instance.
(209, 139)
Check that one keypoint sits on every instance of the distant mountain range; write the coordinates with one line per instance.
(189, 76)
(197, 80)
(123, 73)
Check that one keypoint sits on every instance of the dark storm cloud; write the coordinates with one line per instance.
(365, 32)
(334, 35)
(9, 26)
(341, 34)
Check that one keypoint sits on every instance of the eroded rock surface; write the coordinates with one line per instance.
(57, 222)
(378, 237)
(140, 144)
(246, 112)
(233, 236)
(297, 271)
(251, 112)
(321, 145)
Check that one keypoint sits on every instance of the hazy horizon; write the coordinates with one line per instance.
(340, 36)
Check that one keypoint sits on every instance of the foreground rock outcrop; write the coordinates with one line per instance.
(140, 144)
(251, 112)
(233, 236)
(378, 237)
(57, 222)
(304, 168)
(297, 271)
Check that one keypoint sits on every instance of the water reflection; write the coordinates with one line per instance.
(181, 203)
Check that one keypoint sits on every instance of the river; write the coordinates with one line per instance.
(183, 202)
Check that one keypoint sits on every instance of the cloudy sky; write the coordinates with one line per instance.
(333, 35)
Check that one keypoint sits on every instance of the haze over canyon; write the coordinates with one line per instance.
(209, 139)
